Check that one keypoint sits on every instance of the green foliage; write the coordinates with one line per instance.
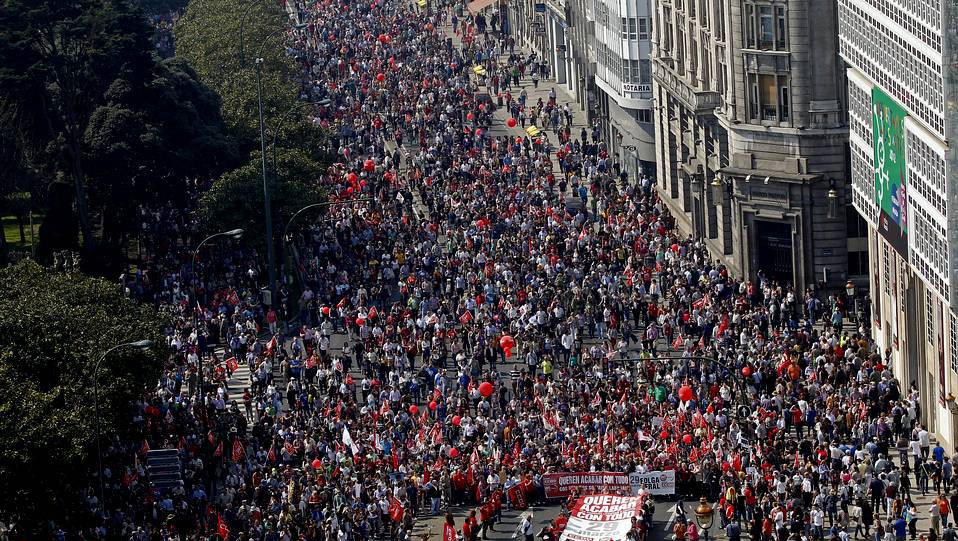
(236, 198)
(221, 39)
(84, 100)
(53, 328)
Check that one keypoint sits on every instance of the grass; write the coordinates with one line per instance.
(11, 231)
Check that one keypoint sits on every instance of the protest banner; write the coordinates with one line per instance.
(561, 485)
(602, 517)
(653, 482)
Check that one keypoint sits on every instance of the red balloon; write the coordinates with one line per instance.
(664, 435)
(485, 389)
(685, 393)
(317, 463)
(350, 190)
(433, 405)
(687, 439)
(507, 352)
(478, 132)
(360, 321)
(470, 117)
(482, 107)
(413, 410)
(511, 123)
(746, 371)
(380, 77)
(518, 140)
(453, 453)
(369, 165)
(456, 420)
(507, 341)
(325, 310)
(353, 177)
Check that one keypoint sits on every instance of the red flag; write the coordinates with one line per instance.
(144, 448)
(517, 497)
(395, 454)
(271, 455)
(211, 438)
(341, 303)
(238, 451)
(219, 450)
(677, 343)
(221, 528)
(466, 317)
(372, 313)
(232, 364)
(271, 346)
(396, 510)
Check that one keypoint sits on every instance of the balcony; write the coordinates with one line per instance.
(702, 102)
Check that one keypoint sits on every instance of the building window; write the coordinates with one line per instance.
(768, 97)
(929, 317)
(644, 27)
(633, 29)
(625, 28)
(954, 341)
(643, 116)
(645, 72)
(780, 28)
(749, 26)
(783, 102)
(765, 27)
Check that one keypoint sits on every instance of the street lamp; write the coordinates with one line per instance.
(140, 345)
(704, 514)
(270, 252)
(296, 214)
(717, 188)
(232, 233)
(832, 199)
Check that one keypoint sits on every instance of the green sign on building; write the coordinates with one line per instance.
(888, 126)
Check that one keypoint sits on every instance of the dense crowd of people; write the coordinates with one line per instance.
(504, 307)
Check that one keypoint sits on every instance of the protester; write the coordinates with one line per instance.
(509, 306)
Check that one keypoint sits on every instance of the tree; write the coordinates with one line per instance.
(64, 56)
(221, 40)
(53, 328)
(83, 99)
(144, 147)
(236, 198)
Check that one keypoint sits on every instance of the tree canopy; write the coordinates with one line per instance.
(236, 198)
(85, 101)
(53, 328)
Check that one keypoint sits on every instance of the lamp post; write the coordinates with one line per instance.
(232, 233)
(242, 37)
(140, 345)
(271, 254)
(832, 197)
(704, 514)
(296, 214)
(282, 121)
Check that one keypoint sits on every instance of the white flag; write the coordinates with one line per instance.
(348, 440)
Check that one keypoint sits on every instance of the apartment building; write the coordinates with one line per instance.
(751, 137)
(901, 57)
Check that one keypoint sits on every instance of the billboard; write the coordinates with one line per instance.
(888, 131)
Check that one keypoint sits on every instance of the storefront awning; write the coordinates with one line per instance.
(759, 174)
(478, 5)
